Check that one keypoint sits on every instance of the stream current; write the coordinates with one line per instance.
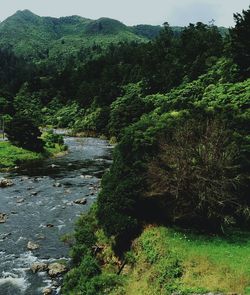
(40, 208)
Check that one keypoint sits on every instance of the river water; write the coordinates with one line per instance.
(40, 208)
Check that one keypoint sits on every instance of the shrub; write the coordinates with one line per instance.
(51, 139)
(196, 175)
(76, 279)
(23, 132)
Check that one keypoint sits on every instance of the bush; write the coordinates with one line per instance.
(187, 161)
(51, 139)
(196, 175)
(127, 109)
(23, 132)
(76, 280)
(85, 230)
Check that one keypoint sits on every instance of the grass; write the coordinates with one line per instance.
(163, 261)
(11, 156)
(169, 261)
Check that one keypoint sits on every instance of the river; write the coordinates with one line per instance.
(40, 208)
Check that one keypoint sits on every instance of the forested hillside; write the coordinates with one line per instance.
(36, 38)
(176, 102)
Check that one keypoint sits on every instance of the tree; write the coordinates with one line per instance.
(196, 177)
(198, 44)
(23, 132)
(240, 42)
(127, 109)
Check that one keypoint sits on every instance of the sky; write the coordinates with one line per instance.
(132, 12)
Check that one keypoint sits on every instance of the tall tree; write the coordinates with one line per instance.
(240, 42)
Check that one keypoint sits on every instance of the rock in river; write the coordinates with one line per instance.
(39, 266)
(32, 246)
(49, 225)
(20, 200)
(5, 182)
(47, 291)
(82, 201)
(3, 217)
(56, 269)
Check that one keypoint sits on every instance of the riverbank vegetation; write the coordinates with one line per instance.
(12, 155)
(182, 160)
(162, 260)
(173, 212)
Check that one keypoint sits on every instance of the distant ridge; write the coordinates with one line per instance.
(36, 37)
(32, 36)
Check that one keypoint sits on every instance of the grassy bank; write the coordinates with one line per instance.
(168, 261)
(11, 156)
(161, 261)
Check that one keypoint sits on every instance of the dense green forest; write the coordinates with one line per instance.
(176, 101)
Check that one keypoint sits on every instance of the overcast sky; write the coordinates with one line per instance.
(131, 12)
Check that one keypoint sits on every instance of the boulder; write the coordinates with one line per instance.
(82, 201)
(56, 269)
(5, 182)
(47, 291)
(38, 267)
(32, 246)
(3, 217)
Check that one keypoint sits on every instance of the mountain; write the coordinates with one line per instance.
(32, 36)
(35, 37)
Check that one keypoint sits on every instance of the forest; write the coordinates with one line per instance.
(175, 102)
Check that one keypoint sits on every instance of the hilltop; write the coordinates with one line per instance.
(33, 36)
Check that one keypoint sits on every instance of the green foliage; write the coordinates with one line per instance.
(213, 147)
(52, 139)
(28, 104)
(14, 72)
(181, 120)
(65, 116)
(23, 132)
(147, 31)
(199, 45)
(240, 43)
(11, 156)
(85, 230)
(86, 277)
(169, 260)
(93, 119)
(127, 109)
(78, 279)
(196, 176)
(37, 38)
